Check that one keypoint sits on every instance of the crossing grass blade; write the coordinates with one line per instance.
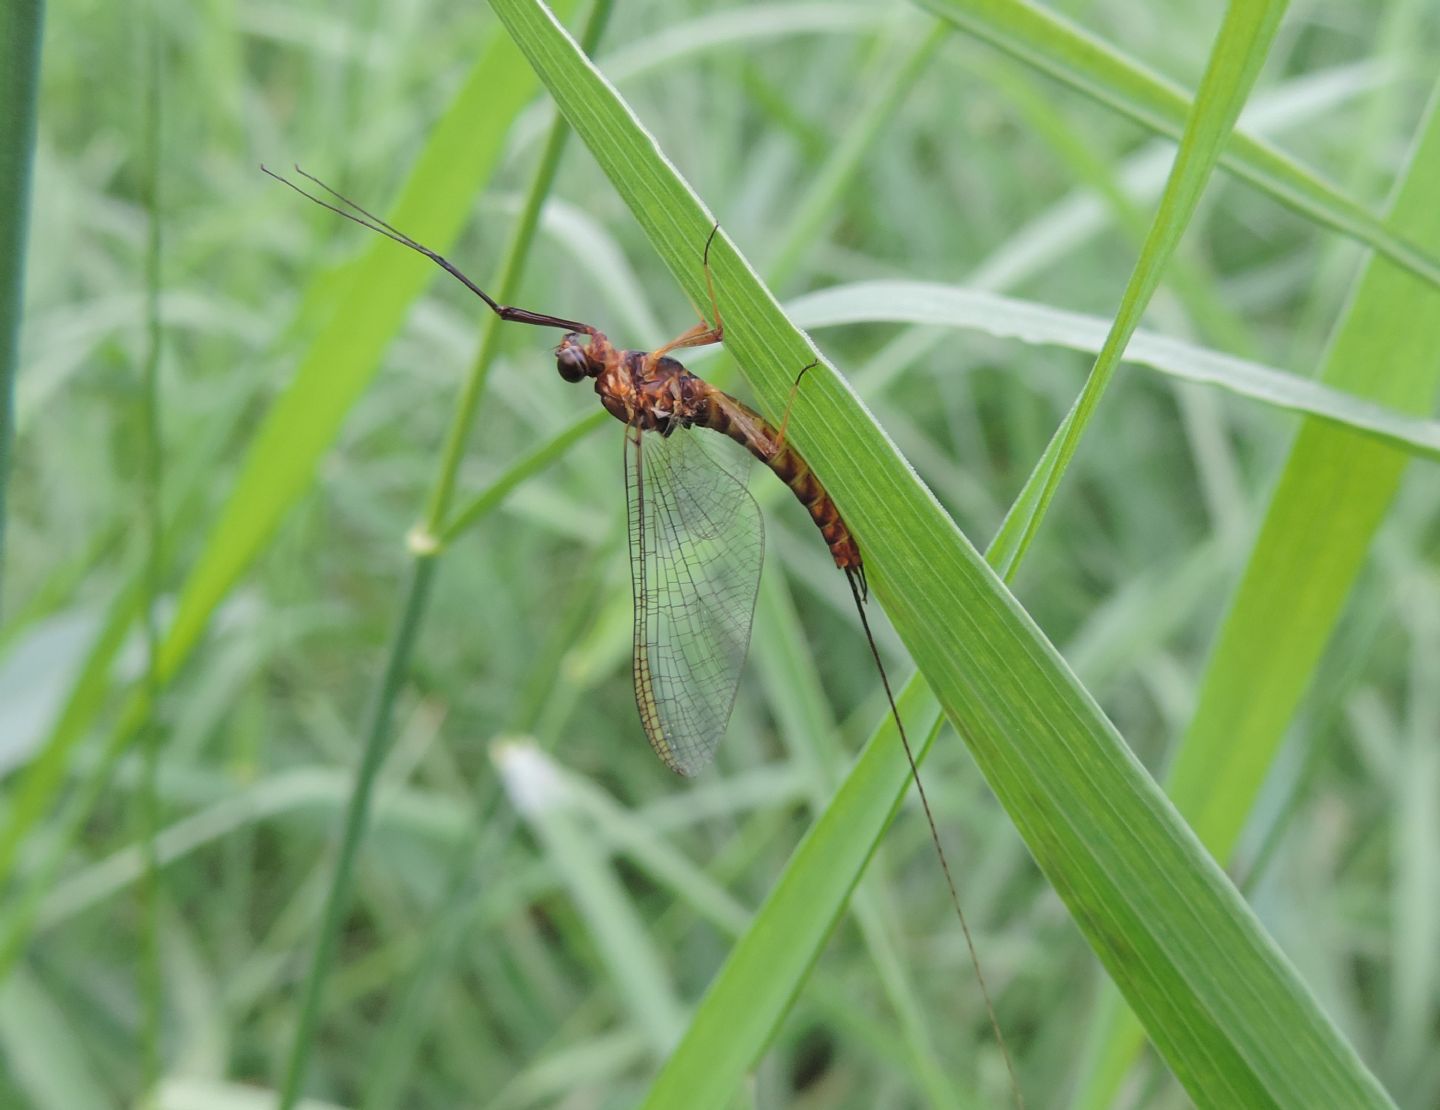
(1334, 490)
(1058, 48)
(1343, 405)
(1229, 1013)
(1235, 62)
(370, 303)
(20, 25)
(462, 151)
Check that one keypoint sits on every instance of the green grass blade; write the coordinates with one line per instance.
(838, 170)
(20, 31)
(42, 781)
(378, 726)
(47, 1059)
(357, 814)
(918, 302)
(1235, 62)
(461, 153)
(526, 466)
(150, 975)
(504, 288)
(794, 690)
(1232, 1018)
(750, 26)
(769, 964)
(395, 1054)
(623, 940)
(1071, 55)
(1333, 492)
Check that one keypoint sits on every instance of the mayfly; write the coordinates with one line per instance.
(696, 534)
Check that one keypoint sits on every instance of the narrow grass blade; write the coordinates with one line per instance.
(723, 28)
(412, 615)
(357, 814)
(504, 287)
(840, 165)
(46, 1061)
(20, 31)
(150, 980)
(1235, 62)
(797, 699)
(1227, 1010)
(768, 965)
(917, 302)
(400, 1043)
(793, 688)
(1333, 492)
(526, 466)
(622, 938)
(460, 155)
(1056, 47)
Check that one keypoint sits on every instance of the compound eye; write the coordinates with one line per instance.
(572, 364)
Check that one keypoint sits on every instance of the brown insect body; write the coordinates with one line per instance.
(652, 392)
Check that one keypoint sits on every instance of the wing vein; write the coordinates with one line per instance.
(696, 544)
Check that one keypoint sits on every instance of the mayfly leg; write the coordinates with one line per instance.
(790, 402)
(704, 333)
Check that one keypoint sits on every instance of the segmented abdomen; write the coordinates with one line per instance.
(747, 427)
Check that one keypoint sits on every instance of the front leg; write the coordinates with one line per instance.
(703, 333)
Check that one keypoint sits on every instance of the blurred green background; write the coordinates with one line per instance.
(471, 969)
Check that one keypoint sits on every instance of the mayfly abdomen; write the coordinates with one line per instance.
(747, 427)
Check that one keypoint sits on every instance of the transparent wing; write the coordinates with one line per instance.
(696, 544)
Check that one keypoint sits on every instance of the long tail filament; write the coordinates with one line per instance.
(859, 591)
